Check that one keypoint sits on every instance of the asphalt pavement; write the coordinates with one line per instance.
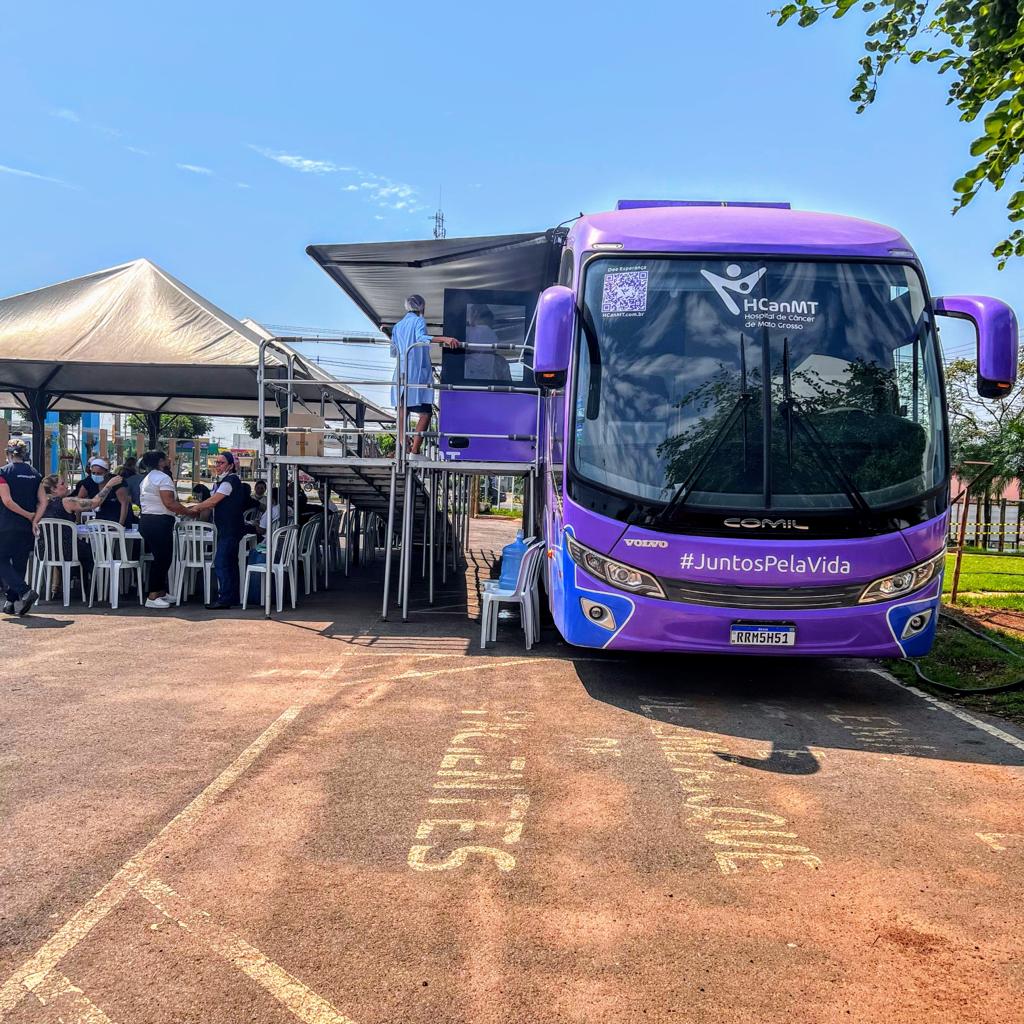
(327, 818)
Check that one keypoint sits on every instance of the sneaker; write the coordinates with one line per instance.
(8, 608)
(24, 606)
(158, 602)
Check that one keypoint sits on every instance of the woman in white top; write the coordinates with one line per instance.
(158, 499)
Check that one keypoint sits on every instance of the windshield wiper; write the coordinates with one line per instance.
(819, 447)
(738, 411)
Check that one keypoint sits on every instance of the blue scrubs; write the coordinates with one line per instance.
(412, 328)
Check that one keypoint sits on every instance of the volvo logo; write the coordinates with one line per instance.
(764, 524)
(630, 543)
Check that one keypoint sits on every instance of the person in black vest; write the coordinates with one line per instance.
(228, 503)
(19, 499)
(117, 506)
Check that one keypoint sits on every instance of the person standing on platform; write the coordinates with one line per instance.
(228, 502)
(158, 499)
(19, 498)
(418, 396)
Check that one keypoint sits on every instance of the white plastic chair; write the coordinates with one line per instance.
(50, 548)
(308, 553)
(523, 594)
(197, 545)
(281, 564)
(252, 517)
(110, 558)
(245, 545)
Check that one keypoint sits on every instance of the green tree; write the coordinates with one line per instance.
(980, 44)
(252, 428)
(984, 430)
(174, 425)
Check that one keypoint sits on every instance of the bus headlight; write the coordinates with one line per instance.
(622, 577)
(888, 588)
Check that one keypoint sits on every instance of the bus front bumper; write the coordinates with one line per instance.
(598, 616)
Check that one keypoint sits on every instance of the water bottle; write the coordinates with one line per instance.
(511, 559)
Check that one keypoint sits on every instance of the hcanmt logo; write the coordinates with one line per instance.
(764, 524)
(647, 543)
(733, 283)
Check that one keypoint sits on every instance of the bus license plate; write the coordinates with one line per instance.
(763, 636)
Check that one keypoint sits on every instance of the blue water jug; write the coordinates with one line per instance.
(511, 559)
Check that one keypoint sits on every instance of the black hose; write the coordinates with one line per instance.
(963, 690)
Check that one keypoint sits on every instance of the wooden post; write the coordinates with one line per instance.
(5, 434)
(1002, 524)
(103, 444)
(474, 497)
(140, 444)
(963, 525)
(960, 545)
(172, 456)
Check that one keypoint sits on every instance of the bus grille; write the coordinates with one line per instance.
(726, 595)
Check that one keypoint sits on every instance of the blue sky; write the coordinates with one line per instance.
(220, 138)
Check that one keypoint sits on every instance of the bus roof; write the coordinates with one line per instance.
(764, 230)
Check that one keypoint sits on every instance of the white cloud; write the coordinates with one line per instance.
(300, 163)
(18, 172)
(193, 168)
(242, 184)
(65, 115)
(135, 149)
(380, 190)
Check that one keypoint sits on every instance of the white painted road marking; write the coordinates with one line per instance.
(303, 1002)
(35, 970)
(992, 730)
(70, 1004)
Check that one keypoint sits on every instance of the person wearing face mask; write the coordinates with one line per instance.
(117, 506)
(158, 499)
(228, 503)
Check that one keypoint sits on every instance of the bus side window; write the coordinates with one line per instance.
(565, 269)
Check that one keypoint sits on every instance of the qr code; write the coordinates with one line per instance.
(625, 292)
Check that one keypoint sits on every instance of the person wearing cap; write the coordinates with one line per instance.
(228, 501)
(19, 499)
(117, 506)
(414, 362)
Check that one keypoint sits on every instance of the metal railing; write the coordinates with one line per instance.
(439, 477)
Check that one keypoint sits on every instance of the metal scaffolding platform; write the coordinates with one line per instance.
(418, 500)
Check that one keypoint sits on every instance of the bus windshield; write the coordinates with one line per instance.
(671, 407)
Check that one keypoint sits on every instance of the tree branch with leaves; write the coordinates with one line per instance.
(980, 44)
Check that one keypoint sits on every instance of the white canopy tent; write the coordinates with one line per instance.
(133, 338)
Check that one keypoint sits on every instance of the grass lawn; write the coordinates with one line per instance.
(960, 659)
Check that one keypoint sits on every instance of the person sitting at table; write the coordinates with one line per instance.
(200, 493)
(273, 515)
(116, 507)
(227, 501)
(57, 502)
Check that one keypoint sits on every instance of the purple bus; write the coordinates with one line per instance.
(744, 440)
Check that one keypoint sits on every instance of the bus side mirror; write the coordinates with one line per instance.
(555, 312)
(996, 328)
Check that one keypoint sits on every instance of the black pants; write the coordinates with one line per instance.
(158, 533)
(15, 549)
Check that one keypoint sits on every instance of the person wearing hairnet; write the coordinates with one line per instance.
(417, 396)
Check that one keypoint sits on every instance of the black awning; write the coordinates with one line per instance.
(378, 276)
